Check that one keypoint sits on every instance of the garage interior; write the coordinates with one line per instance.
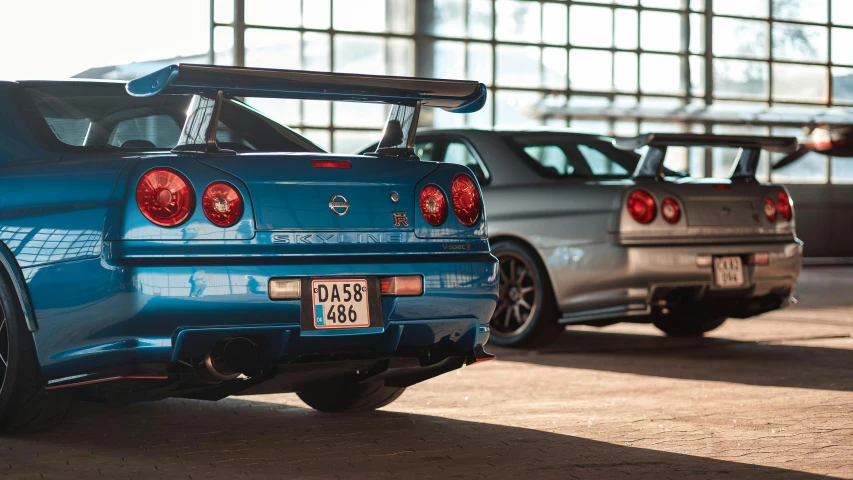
(770, 396)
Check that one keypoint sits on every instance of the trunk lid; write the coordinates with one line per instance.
(712, 211)
(293, 191)
(715, 204)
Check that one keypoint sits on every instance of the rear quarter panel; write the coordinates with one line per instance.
(568, 223)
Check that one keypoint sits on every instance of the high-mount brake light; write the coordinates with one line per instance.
(165, 197)
(331, 164)
(642, 206)
(433, 205)
(465, 199)
(670, 210)
(784, 205)
(222, 204)
(770, 209)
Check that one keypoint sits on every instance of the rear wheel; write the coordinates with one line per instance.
(526, 312)
(25, 406)
(353, 397)
(687, 326)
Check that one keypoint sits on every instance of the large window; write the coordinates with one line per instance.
(562, 63)
(365, 36)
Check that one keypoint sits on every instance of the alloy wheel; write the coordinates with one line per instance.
(5, 346)
(516, 296)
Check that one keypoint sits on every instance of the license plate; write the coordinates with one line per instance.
(340, 304)
(728, 272)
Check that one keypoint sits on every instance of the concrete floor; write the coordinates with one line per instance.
(770, 397)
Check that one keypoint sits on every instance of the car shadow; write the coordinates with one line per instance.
(700, 358)
(251, 439)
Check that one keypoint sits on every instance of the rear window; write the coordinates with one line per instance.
(569, 157)
(103, 117)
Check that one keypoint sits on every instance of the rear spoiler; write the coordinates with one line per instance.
(744, 167)
(212, 84)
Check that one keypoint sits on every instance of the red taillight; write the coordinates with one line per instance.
(331, 164)
(402, 286)
(433, 205)
(770, 209)
(784, 205)
(164, 196)
(670, 210)
(641, 206)
(466, 199)
(222, 204)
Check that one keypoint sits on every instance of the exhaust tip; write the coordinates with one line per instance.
(241, 355)
(229, 359)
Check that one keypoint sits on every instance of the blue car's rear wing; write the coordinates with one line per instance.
(211, 84)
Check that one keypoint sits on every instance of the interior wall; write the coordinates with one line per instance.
(824, 220)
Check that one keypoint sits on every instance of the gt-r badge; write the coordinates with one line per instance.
(400, 219)
(338, 204)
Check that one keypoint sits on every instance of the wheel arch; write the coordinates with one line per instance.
(531, 248)
(12, 274)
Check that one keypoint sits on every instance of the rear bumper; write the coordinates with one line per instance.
(161, 314)
(632, 281)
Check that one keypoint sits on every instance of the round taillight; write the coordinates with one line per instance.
(784, 205)
(164, 196)
(641, 206)
(670, 210)
(433, 205)
(222, 204)
(465, 199)
(770, 209)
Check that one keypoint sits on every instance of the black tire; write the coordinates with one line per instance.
(351, 397)
(687, 326)
(526, 314)
(25, 406)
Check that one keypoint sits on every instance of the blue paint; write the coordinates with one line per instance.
(319, 318)
(102, 287)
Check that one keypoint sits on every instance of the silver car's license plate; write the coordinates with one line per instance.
(340, 303)
(728, 272)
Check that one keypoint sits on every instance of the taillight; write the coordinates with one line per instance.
(784, 205)
(433, 205)
(466, 199)
(164, 196)
(641, 206)
(770, 209)
(222, 204)
(670, 210)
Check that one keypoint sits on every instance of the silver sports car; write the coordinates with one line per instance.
(588, 232)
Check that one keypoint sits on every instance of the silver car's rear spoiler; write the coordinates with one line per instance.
(211, 84)
(744, 168)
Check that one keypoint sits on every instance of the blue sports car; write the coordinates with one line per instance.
(161, 238)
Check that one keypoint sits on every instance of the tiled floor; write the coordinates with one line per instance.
(764, 398)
